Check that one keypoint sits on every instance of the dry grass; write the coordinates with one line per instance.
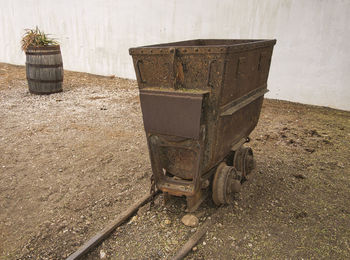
(36, 38)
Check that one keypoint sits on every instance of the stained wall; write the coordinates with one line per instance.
(311, 61)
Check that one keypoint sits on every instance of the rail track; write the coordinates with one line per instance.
(121, 219)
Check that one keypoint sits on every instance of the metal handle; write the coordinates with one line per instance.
(139, 71)
(239, 69)
(173, 67)
(209, 73)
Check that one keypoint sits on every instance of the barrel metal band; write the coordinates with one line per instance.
(44, 53)
(44, 66)
(45, 81)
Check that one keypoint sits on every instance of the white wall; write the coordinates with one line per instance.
(311, 61)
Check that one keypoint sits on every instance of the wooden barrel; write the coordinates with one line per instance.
(44, 69)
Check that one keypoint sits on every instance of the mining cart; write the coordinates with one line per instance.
(200, 100)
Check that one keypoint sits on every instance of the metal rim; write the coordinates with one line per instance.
(226, 182)
(249, 163)
(243, 161)
(215, 188)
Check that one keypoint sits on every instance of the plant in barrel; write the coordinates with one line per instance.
(44, 67)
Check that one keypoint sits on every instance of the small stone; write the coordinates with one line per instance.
(133, 219)
(204, 243)
(250, 244)
(167, 222)
(190, 220)
(102, 254)
(194, 249)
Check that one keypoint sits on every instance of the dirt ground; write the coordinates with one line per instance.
(71, 162)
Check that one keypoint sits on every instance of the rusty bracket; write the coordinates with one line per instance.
(173, 63)
(209, 73)
(139, 71)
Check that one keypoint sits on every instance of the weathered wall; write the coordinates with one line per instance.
(310, 64)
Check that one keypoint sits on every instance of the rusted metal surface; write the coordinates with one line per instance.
(243, 161)
(170, 113)
(227, 180)
(199, 99)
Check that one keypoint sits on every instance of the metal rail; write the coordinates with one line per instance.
(103, 234)
(100, 236)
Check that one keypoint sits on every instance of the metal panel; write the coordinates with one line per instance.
(171, 113)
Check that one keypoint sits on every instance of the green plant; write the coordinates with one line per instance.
(36, 38)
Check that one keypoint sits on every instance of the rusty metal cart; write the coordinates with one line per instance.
(200, 100)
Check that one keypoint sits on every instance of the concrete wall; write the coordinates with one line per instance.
(310, 64)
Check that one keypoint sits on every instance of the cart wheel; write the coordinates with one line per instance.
(227, 181)
(243, 161)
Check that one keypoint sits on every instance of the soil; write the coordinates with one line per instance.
(71, 162)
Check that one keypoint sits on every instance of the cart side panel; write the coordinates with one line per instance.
(200, 71)
(245, 72)
(264, 65)
(153, 70)
(234, 127)
(241, 98)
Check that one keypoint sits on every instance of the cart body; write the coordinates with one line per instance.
(200, 100)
